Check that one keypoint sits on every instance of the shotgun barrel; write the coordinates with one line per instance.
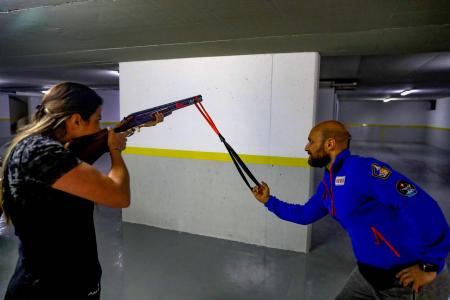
(89, 148)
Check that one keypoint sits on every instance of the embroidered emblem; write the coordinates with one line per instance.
(340, 180)
(405, 188)
(380, 172)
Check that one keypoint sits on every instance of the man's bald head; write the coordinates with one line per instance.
(335, 130)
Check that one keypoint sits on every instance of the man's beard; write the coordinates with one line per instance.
(320, 161)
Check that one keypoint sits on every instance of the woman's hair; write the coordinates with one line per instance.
(61, 101)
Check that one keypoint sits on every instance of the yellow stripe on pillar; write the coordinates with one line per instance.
(219, 156)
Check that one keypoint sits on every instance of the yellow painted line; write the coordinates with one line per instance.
(4, 119)
(218, 156)
(438, 128)
(397, 126)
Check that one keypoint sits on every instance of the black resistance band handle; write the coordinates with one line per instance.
(240, 165)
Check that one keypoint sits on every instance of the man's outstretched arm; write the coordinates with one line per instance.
(305, 214)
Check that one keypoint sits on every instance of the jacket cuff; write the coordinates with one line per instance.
(271, 202)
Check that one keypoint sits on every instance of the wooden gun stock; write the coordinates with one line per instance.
(89, 148)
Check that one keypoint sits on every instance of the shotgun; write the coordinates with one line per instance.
(89, 148)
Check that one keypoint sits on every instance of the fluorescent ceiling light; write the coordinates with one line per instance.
(387, 99)
(407, 92)
(114, 73)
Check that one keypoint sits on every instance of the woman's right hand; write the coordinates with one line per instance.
(261, 192)
(85, 181)
(116, 141)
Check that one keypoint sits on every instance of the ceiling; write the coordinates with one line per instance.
(369, 49)
(379, 77)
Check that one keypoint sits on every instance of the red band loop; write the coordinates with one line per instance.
(205, 115)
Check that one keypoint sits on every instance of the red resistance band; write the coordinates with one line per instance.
(379, 236)
(240, 165)
(329, 191)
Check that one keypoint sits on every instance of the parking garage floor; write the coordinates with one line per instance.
(141, 262)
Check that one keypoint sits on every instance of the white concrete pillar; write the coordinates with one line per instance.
(182, 178)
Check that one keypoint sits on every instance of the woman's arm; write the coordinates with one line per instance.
(87, 182)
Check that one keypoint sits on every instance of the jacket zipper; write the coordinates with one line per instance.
(329, 191)
(379, 236)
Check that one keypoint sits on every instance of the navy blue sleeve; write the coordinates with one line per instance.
(308, 213)
(420, 209)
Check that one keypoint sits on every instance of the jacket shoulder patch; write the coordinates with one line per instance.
(380, 171)
(405, 188)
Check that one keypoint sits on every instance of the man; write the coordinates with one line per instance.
(399, 234)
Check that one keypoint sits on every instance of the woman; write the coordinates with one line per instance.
(49, 195)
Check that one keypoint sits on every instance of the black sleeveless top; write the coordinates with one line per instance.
(55, 229)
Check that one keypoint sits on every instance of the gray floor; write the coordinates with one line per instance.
(141, 262)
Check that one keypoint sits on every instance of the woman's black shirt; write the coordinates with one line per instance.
(55, 229)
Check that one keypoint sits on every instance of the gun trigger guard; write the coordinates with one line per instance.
(131, 131)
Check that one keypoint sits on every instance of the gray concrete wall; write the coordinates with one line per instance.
(394, 121)
(110, 109)
(325, 108)
(111, 106)
(33, 101)
(5, 131)
(438, 135)
(209, 198)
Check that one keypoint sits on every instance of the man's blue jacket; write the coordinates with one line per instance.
(391, 221)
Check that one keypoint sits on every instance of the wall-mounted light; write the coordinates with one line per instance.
(45, 92)
(407, 92)
(387, 99)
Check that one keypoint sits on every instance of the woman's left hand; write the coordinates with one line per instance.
(159, 117)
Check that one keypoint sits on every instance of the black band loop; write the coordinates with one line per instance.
(239, 170)
(240, 165)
